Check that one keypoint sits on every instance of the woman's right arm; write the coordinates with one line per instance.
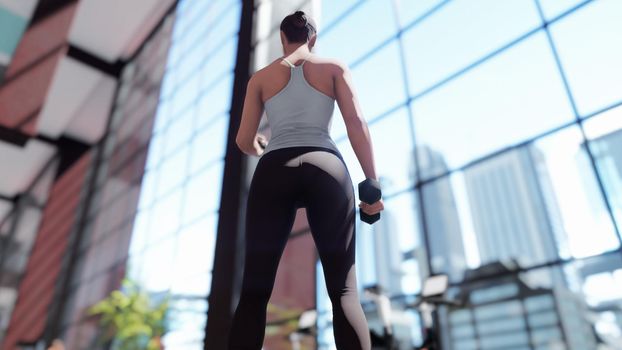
(356, 125)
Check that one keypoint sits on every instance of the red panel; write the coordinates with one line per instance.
(42, 271)
(23, 97)
(32, 67)
(41, 39)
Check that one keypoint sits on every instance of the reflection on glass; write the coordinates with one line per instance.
(447, 249)
(409, 11)
(174, 231)
(156, 147)
(209, 144)
(507, 211)
(503, 309)
(378, 81)
(514, 96)
(586, 42)
(172, 171)
(348, 30)
(554, 8)
(581, 210)
(202, 193)
(184, 96)
(224, 26)
(178, 132)
(459, 34)
(219, 62)
(605, 134)
(195, 247)
(165, 216)
(332, 10)
(506, 178)
(400, 258)
(157, 272)
(161, 117)
(393, 155)
(534, 204)
(215, 99)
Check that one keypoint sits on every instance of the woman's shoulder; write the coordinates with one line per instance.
(330, 64)
(327, 64)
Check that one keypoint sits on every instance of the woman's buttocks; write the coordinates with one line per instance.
(289, 152)
(322, 159)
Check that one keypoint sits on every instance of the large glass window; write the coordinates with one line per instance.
(605, 134)
(459, 34)
(590, 53)
(509, 113)
(512, 97)
(345, 40)
(175, 236)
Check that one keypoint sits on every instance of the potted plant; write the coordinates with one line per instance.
(129, 319)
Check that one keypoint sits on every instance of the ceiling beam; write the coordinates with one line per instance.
(12, 136)
(96, 62)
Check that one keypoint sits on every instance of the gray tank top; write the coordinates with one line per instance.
(299, 114)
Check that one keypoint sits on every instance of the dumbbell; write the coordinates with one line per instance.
(369, 192)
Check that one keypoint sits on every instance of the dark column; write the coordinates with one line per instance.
(229, 239)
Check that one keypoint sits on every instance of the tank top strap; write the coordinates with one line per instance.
(288, 62)
(292, 65)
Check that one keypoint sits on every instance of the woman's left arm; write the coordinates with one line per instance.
(247, 137)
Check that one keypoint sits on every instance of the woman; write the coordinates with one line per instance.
(302, 167)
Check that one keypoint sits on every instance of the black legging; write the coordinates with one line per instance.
(285, 179)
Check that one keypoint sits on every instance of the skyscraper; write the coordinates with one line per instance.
(509, 209)
(607, 151)
(441, 214)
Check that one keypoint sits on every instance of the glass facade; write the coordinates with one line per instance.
(172, 245)
(497, 130)
(155, 210)
(102, 259)
(19, 223)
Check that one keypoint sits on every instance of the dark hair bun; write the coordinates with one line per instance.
(302, 17)
(298, 27)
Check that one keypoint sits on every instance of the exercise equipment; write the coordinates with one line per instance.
(369, 192)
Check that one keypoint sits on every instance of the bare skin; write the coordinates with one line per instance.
(329, 77)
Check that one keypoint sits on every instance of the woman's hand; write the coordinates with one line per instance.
(260, 143)
(372, 209)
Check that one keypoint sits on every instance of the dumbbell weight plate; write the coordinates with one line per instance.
(369, 192)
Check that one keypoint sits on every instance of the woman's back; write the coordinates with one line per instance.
(299, 103)
(319, 73)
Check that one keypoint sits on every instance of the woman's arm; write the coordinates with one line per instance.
(356, 126)
(247, 138)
